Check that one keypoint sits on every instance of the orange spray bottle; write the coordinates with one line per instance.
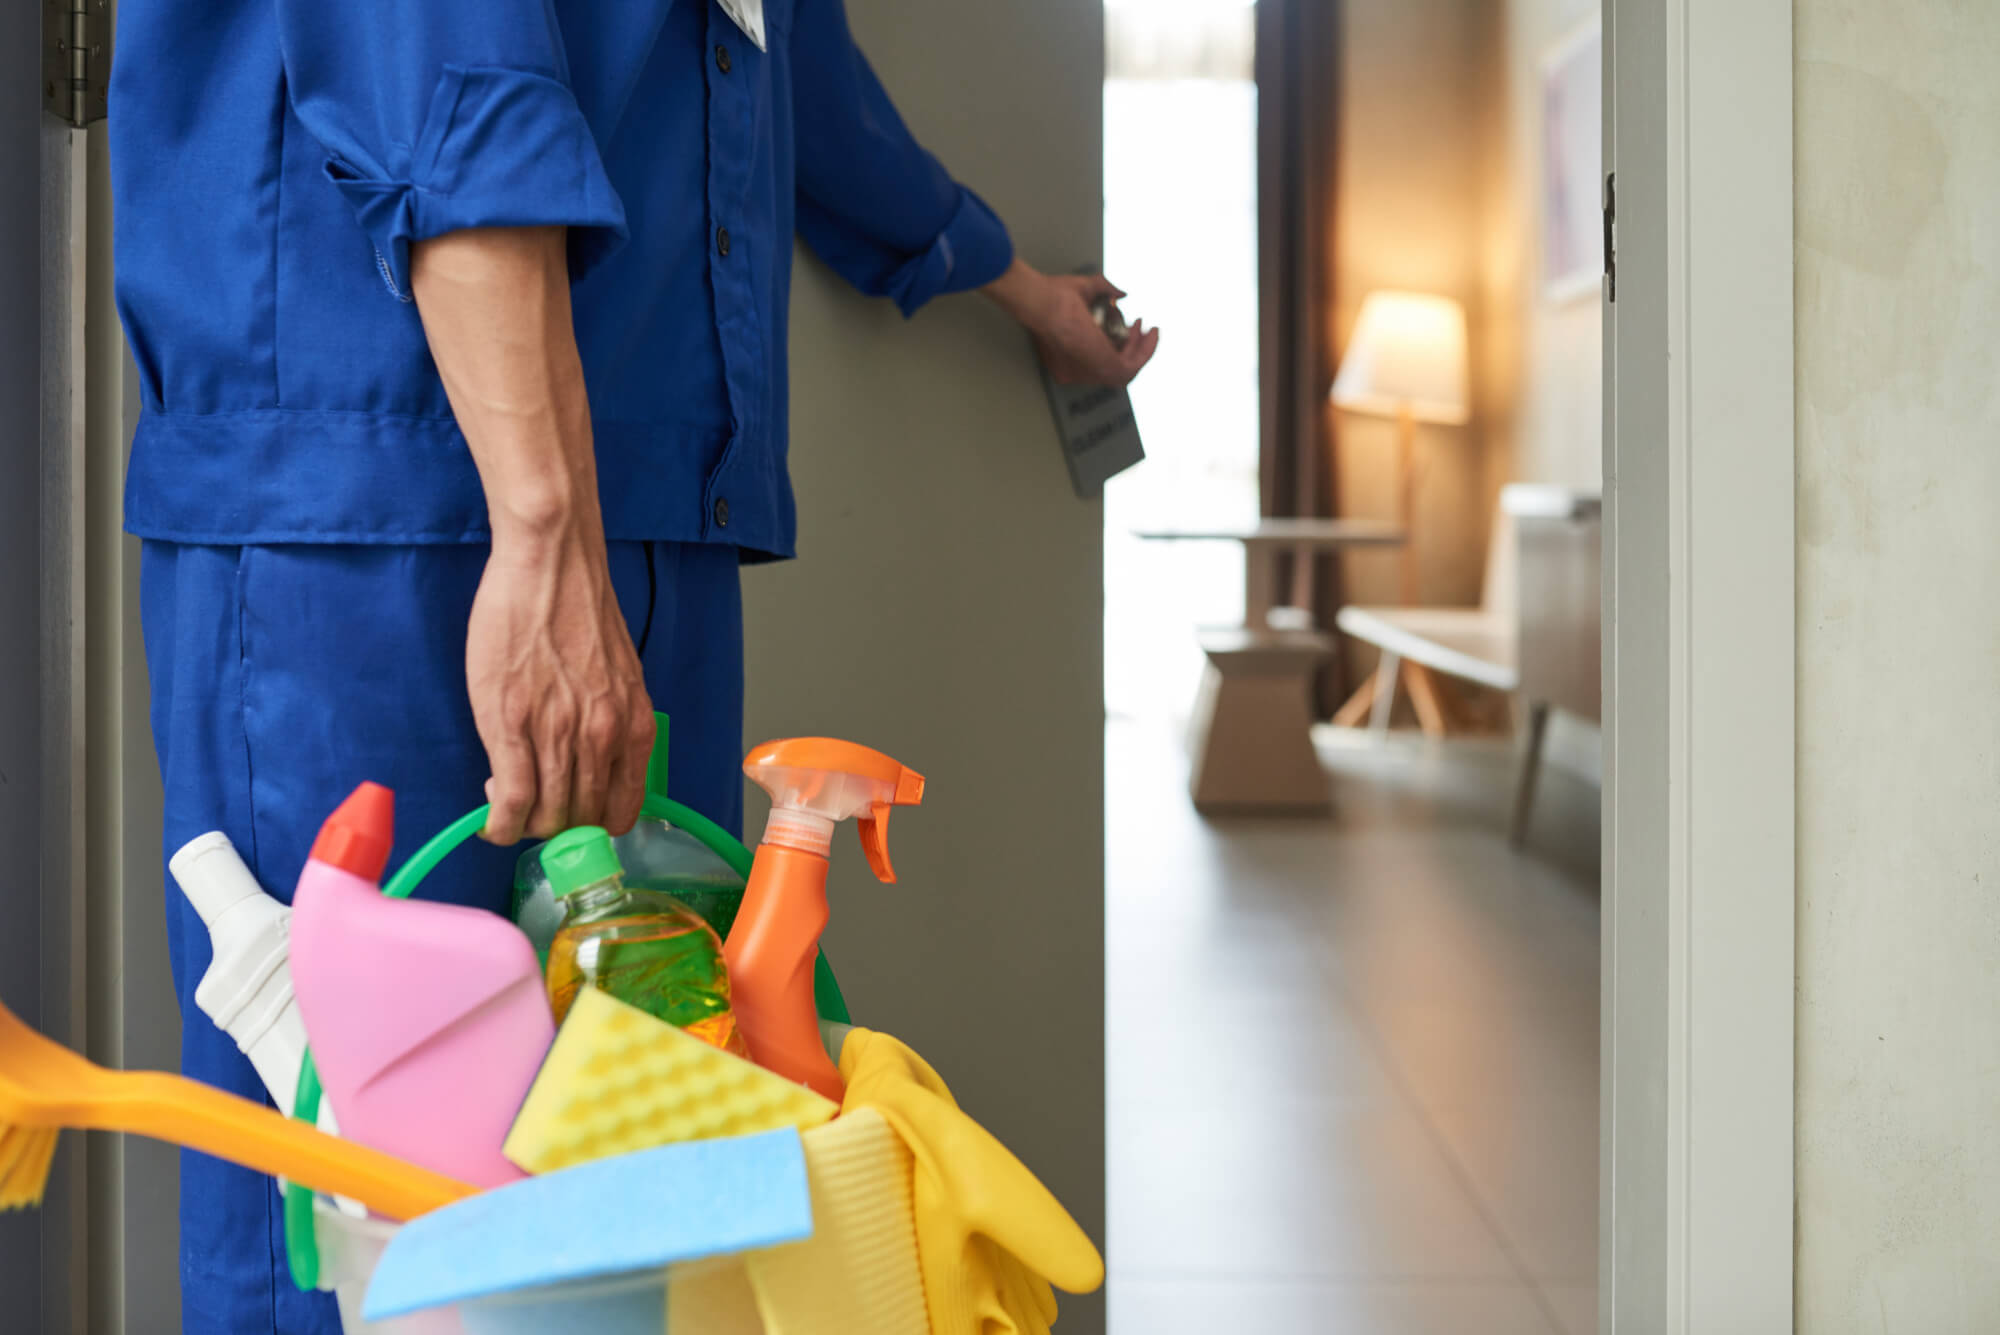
(814, 783)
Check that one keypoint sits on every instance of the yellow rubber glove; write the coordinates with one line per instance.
(991, 1239)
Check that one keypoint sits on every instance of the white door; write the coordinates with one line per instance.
(1696, 1220)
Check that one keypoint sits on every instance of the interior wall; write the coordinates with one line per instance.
(1898, 315)
(1539, 363)
(1414, 86)
(948, 607)
(1440, 178)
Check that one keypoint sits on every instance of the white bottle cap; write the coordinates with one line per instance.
(795, 827)
(212, 876)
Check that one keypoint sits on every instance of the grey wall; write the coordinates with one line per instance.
(947, 607)
(64, 1215)
(1898, 304)
(20, 557)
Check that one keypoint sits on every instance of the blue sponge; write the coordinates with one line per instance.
(635, 1212)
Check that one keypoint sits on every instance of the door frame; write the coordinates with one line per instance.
(54, 998)
(108, 1229)
(1696, 1225)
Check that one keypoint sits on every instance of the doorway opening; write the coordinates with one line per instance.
(1352, 1057)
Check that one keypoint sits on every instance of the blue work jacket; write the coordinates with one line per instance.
(272, 161)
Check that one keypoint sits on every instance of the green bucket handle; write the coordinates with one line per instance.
(301, 1243)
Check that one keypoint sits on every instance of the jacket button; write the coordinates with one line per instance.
(722, 512)
(722, 58)
(722, 240)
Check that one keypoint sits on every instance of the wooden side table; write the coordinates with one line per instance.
(1252, 731)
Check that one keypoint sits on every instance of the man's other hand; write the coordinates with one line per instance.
(1056, 310)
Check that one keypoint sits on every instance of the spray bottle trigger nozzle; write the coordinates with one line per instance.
(874, 831)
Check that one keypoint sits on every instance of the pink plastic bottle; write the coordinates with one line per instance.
(427, 1021)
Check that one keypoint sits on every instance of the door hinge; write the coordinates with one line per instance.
(76, 59)
(1611, 236)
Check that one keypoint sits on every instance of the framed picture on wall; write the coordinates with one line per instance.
(1572, 160)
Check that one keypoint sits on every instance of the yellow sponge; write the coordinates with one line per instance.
(620, 1080)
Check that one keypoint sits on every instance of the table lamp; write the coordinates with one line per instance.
(1406, 360)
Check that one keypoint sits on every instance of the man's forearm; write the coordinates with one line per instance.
(1021, 292)
(496, 309)
(555, 685)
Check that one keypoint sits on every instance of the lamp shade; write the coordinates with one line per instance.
(1407, 352)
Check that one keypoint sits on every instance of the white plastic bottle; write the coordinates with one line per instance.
(247, 990)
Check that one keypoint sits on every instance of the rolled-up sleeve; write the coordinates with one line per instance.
(871, 202)
(441, 115)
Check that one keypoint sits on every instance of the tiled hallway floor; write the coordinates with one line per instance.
(1352, 1062)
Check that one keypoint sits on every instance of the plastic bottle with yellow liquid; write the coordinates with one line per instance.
(643, 947)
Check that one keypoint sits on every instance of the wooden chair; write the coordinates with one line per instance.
(1535, 633)
(1475, 644)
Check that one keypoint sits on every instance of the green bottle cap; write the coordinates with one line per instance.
(579, 857)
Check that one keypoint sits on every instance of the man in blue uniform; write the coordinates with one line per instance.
(461, 330)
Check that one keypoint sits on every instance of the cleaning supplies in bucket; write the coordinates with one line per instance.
(814, 783)
(656, 1175)
(428, 1021)
(645, 948)
(247, 990)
